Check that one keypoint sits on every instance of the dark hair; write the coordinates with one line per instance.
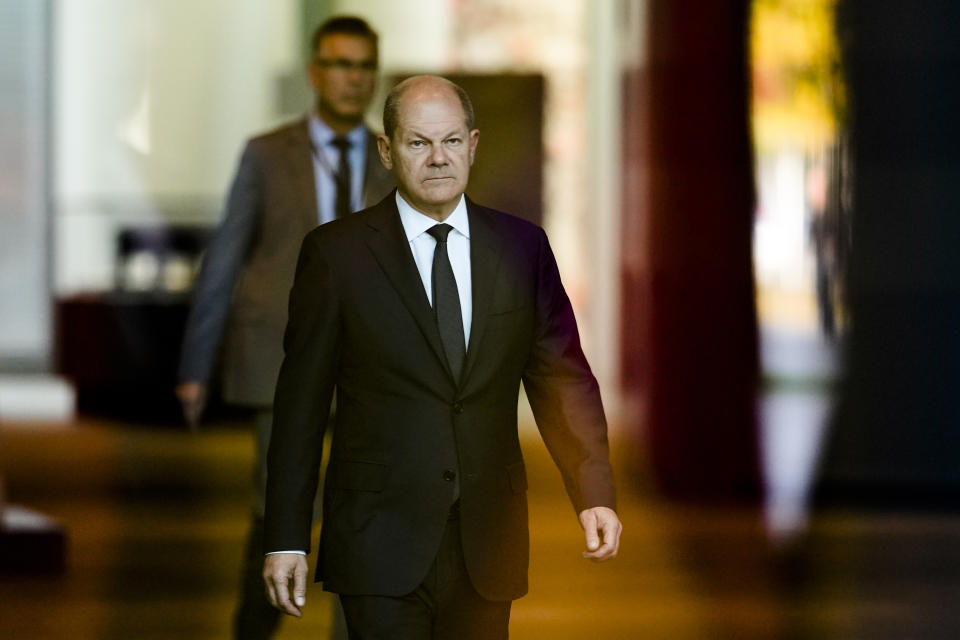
(347, 25)
(391, 107)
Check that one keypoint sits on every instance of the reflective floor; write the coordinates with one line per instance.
(156, 518)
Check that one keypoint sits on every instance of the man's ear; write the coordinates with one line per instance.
(383, 146)
(313, 76)
(474, 139)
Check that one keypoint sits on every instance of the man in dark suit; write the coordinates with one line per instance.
(302, 174)
(425, 332)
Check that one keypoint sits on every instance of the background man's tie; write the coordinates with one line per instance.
(342, 206)
(446, 302)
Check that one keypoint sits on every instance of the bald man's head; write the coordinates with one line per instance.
(421, 87)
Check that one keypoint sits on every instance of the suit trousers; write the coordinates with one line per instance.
(444, 607)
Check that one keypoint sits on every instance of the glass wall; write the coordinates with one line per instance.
(800, 239)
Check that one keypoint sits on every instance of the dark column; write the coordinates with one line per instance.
(695, 283)
(896, 435)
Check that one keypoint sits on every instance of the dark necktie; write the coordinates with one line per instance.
(446, 302)
(342, 179)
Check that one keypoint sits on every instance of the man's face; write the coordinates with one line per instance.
(431, 150)
(343, 73)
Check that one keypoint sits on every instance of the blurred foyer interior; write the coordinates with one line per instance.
(656, 192)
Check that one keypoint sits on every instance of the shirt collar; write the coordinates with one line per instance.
(416, 223)
(322, 135)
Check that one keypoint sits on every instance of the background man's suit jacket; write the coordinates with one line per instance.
(248, 268)
(360, 322)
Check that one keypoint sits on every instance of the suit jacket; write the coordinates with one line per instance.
(360, 323)
(241, 292)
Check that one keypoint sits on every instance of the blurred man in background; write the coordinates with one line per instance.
(308, 172)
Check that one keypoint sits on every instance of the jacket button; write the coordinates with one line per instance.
(458, 407)
(449, 475)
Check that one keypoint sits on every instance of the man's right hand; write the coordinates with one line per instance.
(279, 569)
(193, 399)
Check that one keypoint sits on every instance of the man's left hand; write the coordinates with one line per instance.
(602, 529)
(279, 570)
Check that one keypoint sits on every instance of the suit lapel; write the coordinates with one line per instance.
(300, 164)
(392, 251)
(484, 263)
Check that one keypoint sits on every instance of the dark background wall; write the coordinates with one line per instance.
(896, 434)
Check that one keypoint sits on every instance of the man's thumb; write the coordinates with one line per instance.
(299, 587)
(590, 528)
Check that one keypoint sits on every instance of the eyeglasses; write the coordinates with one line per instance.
(344, 65)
